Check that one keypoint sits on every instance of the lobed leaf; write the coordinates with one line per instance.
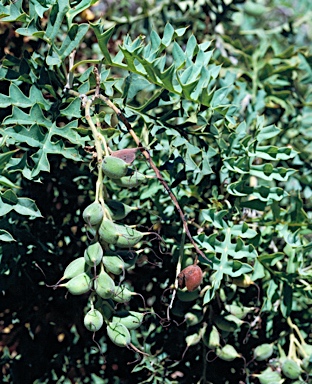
(22, 205)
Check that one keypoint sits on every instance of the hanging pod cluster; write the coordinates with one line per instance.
(110, 253)
(98, 269)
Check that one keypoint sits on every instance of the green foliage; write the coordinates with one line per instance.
(217, 95)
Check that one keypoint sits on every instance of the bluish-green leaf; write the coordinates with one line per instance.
(214, 217)
(269, 172)
(4, 181)
(267, 133)
(27, 207)
(34, 117)
(24, 206)
(73, 109)
(37, 8)
(78, 8)
(178, 55)
(261, 192)
(103, 38)
(236, 268)
(18, 98)
(13, 12)
(48, 141)
(191, 47)
(72, 39)
(168, 35)
(6, 236)
(57, 14)
(274, 153)
(32, 29)
(243, 230)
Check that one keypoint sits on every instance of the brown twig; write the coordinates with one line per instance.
(98, 81)
(158, 174)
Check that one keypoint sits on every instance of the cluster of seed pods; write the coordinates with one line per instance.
(110, 253)
(102, 268)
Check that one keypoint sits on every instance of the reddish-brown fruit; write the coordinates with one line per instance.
(191, 277)
(127, 154)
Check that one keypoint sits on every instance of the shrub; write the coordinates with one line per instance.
(166, 177)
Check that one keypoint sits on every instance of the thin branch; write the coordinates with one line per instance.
(98, 81)
(158, 174)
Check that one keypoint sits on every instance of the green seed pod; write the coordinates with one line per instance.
(118, 210)
(239, 311)
(122, 294)
(93, 214)
(129, 257)
(93, 320)
(131, 181)
(193, 339)
(108, 231)
(79, 284)
(130, 319)
(291, 369)
(75, 268)
(263, 352)
(113, 264)
(269, 376)
(186, 295)
(93, 254)
(128, 237)
(114, 167)
(118, 334)
(212, 339)
(227, 353)
(104, 285)
(119, 235)
(194, 316)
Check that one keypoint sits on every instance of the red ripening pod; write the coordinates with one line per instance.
(127, 154)
(191, 277)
